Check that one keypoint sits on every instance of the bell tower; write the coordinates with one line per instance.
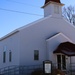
(52, 7)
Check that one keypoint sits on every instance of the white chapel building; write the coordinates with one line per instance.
(50, 38)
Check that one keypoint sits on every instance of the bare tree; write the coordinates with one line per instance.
(69, 14)
(74, 19)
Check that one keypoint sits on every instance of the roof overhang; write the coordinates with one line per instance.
(66, 48)
(51, 2)
(10, 34)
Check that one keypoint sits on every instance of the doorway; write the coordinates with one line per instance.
(61, 62)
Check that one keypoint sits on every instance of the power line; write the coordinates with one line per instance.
(19, 12)
(23, 3)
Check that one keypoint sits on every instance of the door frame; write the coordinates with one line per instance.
(61, 61)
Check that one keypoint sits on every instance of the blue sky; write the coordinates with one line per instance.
(10, 21)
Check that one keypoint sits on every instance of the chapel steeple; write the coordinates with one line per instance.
(52, 7)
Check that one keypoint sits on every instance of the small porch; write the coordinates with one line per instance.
(69, 71)
(65, 53)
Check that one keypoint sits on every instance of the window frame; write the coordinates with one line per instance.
(36, 54)
(10, 56)
(4, 56)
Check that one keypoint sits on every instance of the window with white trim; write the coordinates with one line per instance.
(4, 54)
(36, 54)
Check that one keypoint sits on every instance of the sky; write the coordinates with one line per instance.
(17, 13)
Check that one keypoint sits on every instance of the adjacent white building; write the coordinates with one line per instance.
(36, 42)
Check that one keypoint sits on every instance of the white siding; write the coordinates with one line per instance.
(34, 38)
(11, 43)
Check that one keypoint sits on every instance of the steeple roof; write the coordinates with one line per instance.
(58, 1)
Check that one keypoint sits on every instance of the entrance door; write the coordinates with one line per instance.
(61, 62)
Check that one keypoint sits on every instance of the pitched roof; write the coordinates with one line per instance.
(9, 34)
(58, 1)
(66, 48)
